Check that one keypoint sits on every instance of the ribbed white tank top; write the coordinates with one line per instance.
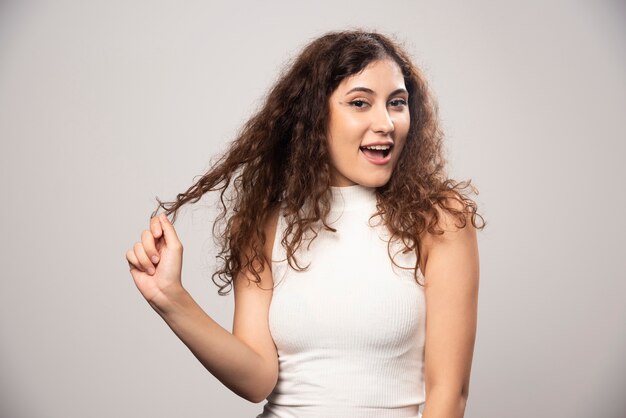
(350, 330)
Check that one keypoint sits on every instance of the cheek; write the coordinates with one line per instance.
(349, 124)
(344, 147)
(403, 129)
(404, 122)
(346, 134)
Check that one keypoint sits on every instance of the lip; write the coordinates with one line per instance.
(379, 161)
(390, 143)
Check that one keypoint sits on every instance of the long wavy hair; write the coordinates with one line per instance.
(280, 157)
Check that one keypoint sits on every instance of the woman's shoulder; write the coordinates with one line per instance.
(448, 222)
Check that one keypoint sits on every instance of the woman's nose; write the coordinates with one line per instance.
(382, 121)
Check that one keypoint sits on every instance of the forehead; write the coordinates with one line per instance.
(380, 74)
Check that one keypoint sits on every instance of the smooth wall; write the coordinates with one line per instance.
(106, 105)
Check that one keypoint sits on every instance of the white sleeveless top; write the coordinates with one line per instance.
(350, 330)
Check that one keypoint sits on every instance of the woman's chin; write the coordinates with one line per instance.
(377, 181)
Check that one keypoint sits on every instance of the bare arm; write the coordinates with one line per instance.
(451, 273)
(225, 356)
(248, 371)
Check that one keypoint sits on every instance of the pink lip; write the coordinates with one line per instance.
(377, 161)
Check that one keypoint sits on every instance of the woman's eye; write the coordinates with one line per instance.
(398, 102)
(358, 103)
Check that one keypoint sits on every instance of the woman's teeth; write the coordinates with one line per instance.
(378, 147)
(381, 150)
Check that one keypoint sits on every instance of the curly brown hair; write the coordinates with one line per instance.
(280, 157)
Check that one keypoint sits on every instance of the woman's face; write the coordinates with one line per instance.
(368, 109)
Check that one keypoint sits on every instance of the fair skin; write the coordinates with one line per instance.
(451, 271)
(366, 108)
(246, 360)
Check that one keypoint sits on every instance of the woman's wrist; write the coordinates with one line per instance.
(171, 299)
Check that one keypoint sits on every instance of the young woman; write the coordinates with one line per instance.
(353, 257)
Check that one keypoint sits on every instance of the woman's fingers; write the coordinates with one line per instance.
(155, 227)
(131, 258)
(143, 259)
(146, 254)
(147, 239)
(169, 233)
(167, 247)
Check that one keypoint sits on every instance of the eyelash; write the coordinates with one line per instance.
(402, 103)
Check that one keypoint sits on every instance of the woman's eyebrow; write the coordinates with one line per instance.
(370, 91)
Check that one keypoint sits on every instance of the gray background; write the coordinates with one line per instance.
(105, 105)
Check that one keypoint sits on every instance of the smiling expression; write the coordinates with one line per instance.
(368, 109)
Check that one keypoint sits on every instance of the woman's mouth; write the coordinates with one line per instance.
(377, 154)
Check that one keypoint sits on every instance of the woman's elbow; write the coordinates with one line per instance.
(264, 390)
